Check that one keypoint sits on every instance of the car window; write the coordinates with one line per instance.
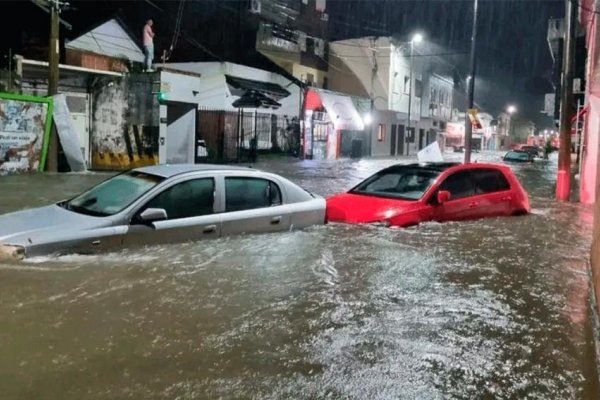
(250, 193)
(403, 183)
(113, 195)
(187, 199)
(459, 185)
(489, 181)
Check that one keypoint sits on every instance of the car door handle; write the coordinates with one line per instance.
(473, 204)
(275, 220)
(507, 198)
(209, 229)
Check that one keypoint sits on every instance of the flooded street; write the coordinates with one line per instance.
(496, 308)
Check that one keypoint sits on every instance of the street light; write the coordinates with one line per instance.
(417, 38)
(511, 109)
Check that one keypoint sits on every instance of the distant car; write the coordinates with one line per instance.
(161, 204)
(520, 156)
(535, 151)
(406, 195)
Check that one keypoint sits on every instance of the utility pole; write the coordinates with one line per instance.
(563, 179)
(375, 68)
(54, 50)
(471, 88)
(53, 59)
(410, 85)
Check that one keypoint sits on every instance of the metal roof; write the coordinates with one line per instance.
(109, 39)
(167, 171)
(437, 166)
(268, 88)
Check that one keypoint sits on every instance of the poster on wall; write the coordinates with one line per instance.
(24, 126)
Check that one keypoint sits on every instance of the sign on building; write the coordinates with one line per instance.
(24, 132)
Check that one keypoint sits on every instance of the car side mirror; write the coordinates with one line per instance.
(153, 214)
(443, 196)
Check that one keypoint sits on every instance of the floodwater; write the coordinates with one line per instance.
(496, 308)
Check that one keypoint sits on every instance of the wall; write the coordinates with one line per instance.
(352, 69)
(124, 123)
(437, 98)
(85, 59)
(301, 72)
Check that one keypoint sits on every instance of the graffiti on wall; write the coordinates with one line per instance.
(22, 130)
(125, 125)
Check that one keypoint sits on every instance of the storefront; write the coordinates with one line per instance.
(327, 117)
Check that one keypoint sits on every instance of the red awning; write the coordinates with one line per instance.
(580, 114)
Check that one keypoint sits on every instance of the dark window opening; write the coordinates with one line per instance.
(489, 181)
(250, 193)
(187, 199)
(459, 185)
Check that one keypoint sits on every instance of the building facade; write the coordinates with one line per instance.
(407, 114)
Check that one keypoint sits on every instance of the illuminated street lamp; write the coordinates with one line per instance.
(511, 109)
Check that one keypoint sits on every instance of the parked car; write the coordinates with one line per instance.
(405, 195)
(520, 156)
(161, 204)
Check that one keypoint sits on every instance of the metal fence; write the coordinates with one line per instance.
(237, 136)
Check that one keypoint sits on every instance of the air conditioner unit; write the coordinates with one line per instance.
(325, 17)
(255, 6)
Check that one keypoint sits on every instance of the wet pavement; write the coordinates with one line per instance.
(496, 308)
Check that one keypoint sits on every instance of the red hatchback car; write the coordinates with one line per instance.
(405, 195)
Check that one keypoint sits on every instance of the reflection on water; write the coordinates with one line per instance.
(496, 308)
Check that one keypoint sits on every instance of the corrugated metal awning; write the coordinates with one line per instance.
(239, 86)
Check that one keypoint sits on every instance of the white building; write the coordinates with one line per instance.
(380, 68)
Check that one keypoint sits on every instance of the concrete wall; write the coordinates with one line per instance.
(124, 123)
(352, 69)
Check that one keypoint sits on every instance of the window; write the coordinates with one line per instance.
(250, 193)
(381, 132)
(113, 195)
(489, 181)
(459, 185)
(406, 84)
(403, 183)
(187, 199)
(418, 88)
(320, 132)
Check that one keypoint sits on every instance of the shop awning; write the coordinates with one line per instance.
(239, 86)
(341, 111)
(254, 99)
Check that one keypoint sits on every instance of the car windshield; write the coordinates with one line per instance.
(113, 195)
(517, 155)
(402, 183)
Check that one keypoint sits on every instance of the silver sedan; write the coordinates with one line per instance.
(161, 204)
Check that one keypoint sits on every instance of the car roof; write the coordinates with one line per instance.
(433, 166)
(167, 170)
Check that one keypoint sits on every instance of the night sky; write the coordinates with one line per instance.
(514, 63)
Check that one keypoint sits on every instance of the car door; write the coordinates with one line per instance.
(190, 209)
(493, 193)
(462, 204)
(253, 205)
